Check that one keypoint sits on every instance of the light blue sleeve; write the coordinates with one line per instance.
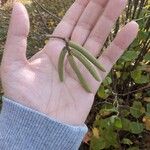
(22, 128)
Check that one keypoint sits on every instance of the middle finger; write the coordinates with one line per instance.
(104, 25)
(87, 20)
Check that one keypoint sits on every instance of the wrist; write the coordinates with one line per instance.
(32, 123)
(58, 115)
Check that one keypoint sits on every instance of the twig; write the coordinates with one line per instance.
(135, 3)
(46, 27)
(58, 37)
(140, 8)
(144, 50)
(140, 89)
(120, 106)
(147, 132)
(50, 13)
(142, 18)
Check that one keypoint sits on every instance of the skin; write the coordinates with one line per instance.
(35, 83)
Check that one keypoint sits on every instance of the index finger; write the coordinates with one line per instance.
(64, 29)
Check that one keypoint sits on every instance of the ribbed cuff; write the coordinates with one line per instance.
(22, 128)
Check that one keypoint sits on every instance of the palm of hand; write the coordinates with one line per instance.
(38, 86)
(35, 82)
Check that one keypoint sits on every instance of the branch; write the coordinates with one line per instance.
(142, 18)
(50, 13)
(138, 90)
(42, 19)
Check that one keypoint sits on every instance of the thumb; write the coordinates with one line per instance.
(16, 43)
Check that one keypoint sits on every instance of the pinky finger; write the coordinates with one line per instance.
(123, 39)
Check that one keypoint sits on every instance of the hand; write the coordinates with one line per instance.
(35, 82)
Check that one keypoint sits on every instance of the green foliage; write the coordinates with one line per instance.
(103, 93)
(130, 55)
(138, 78)
(98, 144)
(124, 97)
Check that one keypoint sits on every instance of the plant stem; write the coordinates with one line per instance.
(50, 13)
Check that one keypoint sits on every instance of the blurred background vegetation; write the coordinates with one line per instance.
(120, 117)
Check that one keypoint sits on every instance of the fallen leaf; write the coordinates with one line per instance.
(87, 137)
(146, 121)
(147, 99)
(95, 132)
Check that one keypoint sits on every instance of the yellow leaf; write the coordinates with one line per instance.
(118, 74)
(87, 137)
(46, 41)
(105, 113)
(146, 121)
(96, 132)
(142, 110)
(147, 99)
(61, 13)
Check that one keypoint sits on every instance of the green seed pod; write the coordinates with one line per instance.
(83, 51)
(86, 63)
(78, 73)
(61, 63)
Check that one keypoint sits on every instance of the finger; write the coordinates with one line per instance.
(123, 39)
(87, 20)
(109, 57)
(104, 25)
(15, 48)
(64, 29)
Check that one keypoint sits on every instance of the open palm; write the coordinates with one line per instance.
(35, 82)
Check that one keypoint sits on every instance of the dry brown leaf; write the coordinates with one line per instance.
(147, 99)
(146, 121)
(96, 132)
(87, 137)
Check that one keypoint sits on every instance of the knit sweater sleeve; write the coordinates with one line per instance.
(22, 128)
